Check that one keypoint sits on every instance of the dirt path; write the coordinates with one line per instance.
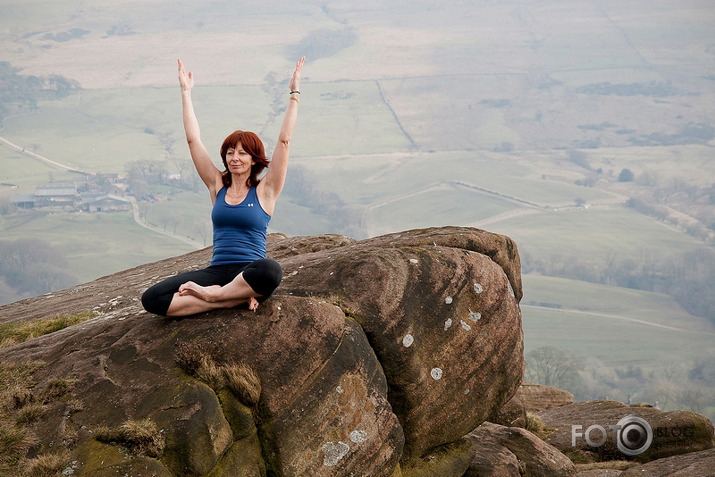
(44, 159)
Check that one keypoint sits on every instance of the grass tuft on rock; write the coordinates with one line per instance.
(536, 426)
(56, 388)
(30, 413)
(47, 465)
(211, 373)
(141, 437)
(14, 442)
(19, 332)
(244, 383)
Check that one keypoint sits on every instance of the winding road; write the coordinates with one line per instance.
(135, 207)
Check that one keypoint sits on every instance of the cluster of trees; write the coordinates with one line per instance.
(688, 277)
(29, 268)
(672, 383)
(20, 92)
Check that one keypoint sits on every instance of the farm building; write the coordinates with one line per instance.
(106, 203)
(55, 195)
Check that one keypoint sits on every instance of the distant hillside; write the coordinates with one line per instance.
(582, 130)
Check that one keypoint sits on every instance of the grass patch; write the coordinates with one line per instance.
(15, 333)
(30, 413)
(47, 465)
(536, 426)
(15, 439)
(244, 383)
(197, 360)
(141, 437)
(14, 442)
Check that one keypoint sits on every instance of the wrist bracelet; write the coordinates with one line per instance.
(295, 91)
(295, 98)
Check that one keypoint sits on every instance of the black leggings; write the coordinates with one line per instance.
(263, 276)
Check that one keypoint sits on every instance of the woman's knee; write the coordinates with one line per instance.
(264, 276)
(155, 302)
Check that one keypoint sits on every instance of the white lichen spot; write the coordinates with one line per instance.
(474, 315)
(478, 288)
(414, 260)
(465, 325)
(466, 391)
(408, 340)
(295, 272)
(339, 389)
(447, 324)
(448, 300)
(436, 374)
(334, 452)
(358, 436)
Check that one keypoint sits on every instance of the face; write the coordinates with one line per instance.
(238, 160)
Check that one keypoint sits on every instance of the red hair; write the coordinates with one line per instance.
(250, 143)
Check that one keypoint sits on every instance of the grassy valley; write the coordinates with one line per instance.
(516, 118)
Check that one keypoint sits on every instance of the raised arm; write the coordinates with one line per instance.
(208, 172)
(272, 183)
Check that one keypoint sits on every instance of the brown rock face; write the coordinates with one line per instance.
(673, 433)
(701, 464)
(371, 353)
(513, 452)
(538, 397)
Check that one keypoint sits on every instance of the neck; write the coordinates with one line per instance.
(238, 182)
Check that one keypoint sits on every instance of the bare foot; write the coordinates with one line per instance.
(203, 293)
(252, 303)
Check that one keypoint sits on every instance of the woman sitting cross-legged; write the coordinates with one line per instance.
(243, 204)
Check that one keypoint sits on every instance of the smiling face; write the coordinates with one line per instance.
(238, 160)
(247, 155)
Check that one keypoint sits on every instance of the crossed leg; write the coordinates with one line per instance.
(193, 298)
(207, 289)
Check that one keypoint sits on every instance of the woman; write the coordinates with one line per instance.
(243, 204)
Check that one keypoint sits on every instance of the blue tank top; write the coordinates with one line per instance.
(239, 230)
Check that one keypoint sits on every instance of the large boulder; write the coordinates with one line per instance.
(700, 464)
(673, 433)
(529, 398)
(512, 452)
(539, 397)
(441, 315)
(373, 358)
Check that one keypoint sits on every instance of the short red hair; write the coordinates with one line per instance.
(253, 145)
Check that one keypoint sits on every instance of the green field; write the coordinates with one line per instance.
(509, 116)
(95, 244)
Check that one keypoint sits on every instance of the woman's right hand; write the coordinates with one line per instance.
(185, 81)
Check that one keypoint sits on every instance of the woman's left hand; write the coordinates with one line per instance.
(295, 79)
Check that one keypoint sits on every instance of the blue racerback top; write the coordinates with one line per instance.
(239, 230)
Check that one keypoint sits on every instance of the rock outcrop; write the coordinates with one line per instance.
(374, 358)
(513, 452)
(538, 397)
(700, 464)
(673, 433)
